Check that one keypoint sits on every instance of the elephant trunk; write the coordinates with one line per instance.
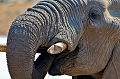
(42, 25)
(29, 31)
(24, 38)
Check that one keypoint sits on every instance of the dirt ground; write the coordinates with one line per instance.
(8, 13)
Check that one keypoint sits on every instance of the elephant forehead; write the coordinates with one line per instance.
(102, 2)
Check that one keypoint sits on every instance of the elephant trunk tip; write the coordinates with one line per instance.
(57, 48)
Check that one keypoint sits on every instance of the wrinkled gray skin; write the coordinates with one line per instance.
(90, 28)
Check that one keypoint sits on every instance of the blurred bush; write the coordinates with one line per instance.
(10, 1)
(10, 9)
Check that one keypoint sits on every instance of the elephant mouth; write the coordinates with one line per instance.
(58, 64)
(62, 62)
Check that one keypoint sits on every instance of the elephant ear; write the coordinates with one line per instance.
(112, 70)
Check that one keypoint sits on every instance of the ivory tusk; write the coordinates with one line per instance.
(57, 48)
(2, 47)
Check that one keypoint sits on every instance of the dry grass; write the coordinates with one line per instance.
(8, 13)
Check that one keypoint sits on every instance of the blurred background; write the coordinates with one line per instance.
(9, 9)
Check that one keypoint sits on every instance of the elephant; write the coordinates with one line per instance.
(89, 28)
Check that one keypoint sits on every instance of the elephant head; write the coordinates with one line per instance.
(89, 28)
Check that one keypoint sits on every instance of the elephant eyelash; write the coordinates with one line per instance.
(95, 14)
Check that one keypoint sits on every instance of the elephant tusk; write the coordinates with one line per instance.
(57, 48)
(2, 47)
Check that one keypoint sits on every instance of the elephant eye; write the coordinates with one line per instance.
(95, 14)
